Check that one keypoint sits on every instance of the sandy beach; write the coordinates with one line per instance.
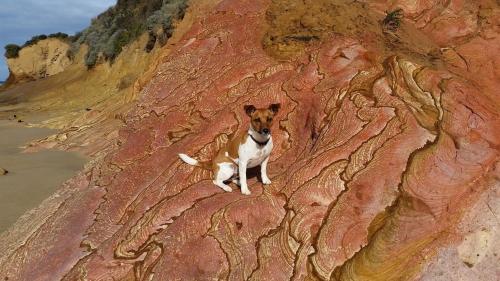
(32, 177)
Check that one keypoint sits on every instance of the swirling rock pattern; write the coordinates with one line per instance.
(379, 158)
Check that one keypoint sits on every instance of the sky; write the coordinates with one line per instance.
(22, 19)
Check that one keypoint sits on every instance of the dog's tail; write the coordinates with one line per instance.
(194, 162)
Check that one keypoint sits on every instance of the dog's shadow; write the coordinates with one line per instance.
(254, 173)
(251, 173)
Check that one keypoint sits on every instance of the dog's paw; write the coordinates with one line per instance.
(245, 191)
(223, 186)
(266, 181)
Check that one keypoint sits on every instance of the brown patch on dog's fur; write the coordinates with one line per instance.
(262, 118)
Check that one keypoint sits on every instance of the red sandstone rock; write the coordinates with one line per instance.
(374, 167)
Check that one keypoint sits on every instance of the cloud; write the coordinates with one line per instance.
(22, 19)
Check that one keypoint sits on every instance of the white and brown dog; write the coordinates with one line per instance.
(246, 150)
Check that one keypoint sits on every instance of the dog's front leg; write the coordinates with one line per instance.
(242, 170)
(263, 172)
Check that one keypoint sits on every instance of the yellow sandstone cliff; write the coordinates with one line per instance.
(45, 58)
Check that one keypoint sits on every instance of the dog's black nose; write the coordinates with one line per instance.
(265, 131)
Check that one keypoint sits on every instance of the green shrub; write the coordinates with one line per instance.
(74, 38)
(59, 35)
(110, 31)
(12, 51)
(392, 20)
(115, 44)
(34, 40)
(91, 58)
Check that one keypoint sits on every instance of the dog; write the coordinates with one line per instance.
(247, 149)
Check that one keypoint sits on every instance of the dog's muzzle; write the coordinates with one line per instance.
(266, 131)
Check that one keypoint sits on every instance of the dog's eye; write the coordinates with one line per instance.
(256, 120)
(269, 119)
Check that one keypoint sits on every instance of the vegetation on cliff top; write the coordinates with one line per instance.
(12, 50)
(110, 31)
(124, 22)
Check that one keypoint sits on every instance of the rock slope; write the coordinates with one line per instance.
(385, 152)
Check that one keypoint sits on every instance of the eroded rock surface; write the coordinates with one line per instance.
(380, 155)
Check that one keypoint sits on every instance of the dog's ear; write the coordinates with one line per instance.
(249, 109)
(275, 107)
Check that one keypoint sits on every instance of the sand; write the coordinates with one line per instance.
(32, 177)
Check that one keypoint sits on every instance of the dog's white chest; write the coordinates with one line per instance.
(257, 158)
(254, 153)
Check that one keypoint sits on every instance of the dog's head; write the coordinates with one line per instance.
(261, 119)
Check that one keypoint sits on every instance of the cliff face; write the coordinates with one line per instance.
(78, 99)
(385, 164)
(45, 58)
(102, 42)
(89, 106)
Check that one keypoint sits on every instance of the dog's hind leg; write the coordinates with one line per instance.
(224, 172)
